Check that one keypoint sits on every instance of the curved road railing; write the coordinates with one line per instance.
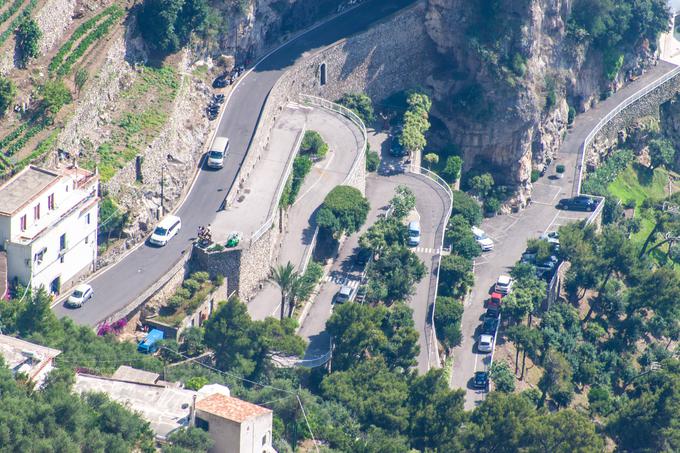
(333, 107)
(609, 116)
(432, 339)
(353, 117)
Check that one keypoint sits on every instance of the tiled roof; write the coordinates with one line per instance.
(230, 408)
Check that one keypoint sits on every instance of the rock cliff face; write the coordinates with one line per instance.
(509, 67)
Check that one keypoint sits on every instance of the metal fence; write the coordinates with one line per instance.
(279, 191)
(353, 117)
(432, 338)
(618, 109)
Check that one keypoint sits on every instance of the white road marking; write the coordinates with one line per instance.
(553, 221)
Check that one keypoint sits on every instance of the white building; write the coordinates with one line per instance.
(21, 356)
(48, 226)
(234, 425)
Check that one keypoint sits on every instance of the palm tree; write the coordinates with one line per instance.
(286, 278)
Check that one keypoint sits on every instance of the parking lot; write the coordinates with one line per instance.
(510, 234)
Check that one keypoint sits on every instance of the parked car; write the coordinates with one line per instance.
(218, 99)
(484, 241)
(166, 230)
(414, 233)
(481, 380)
(553, 239)
(221, 81)
(504, 285)
(495, 300)
(547, 266)
(492, 312)
(485, 343)
(579, 203)
(80, 295)
(489, 326)
(344, 295)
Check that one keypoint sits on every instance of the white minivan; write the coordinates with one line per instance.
(484, 241)
(166, 230)
(217, 152)
(414, 233)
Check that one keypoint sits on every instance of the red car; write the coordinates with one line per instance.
(494, 301)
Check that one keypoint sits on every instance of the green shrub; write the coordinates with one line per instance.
(344, 210)
(451, 171)
(596, 183)
(28, 39)
(301, 167)
(360, 104)
(200, 276)
(175, 302)
(215, 248)
(183, 293)
(7, 93)
(192, 285)
(372, 161)
(314, 144)
(535, 174)
(571, 115)
(195, 383)
(492, 205)
(447, 316)
(18, 19)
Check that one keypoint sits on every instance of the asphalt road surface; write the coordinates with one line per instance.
(510, 233)
(122, 282)
(432, 204)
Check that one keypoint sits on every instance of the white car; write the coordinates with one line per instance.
(485, 343)
(80, 295)
(504, 284)
(484, 241)
(166, 230)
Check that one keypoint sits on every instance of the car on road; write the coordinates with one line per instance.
(579, 203)
(485, 343)
(79, 296)
(218, 150)
(481, 380)
(484, 241)
(503, 285)
(414, 233)
(166, 230)
(492, 312)
(489, 326)
(344, 295)
(362, 256)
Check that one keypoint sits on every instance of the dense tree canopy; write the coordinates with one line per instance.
(343, 211)
(166, 25)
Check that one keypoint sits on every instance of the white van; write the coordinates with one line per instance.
(484, 241)
(414, 233)
(166, 230)
(217, 152)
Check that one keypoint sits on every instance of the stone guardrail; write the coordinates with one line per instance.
(150, 291)
(279, 191)
(353, 117)
(432, 339)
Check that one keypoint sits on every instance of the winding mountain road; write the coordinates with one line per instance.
(121, 283)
